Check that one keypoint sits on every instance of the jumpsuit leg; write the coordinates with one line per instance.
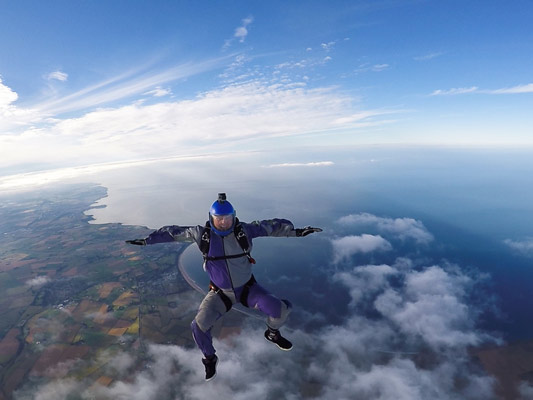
(211, 309)
(277, 310)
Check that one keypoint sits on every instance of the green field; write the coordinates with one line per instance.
(72, 290)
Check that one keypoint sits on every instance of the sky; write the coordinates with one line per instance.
(107, 82)
(251, 96)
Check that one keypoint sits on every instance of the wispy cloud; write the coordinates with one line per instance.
(124, 86)
(58, 76)
(159, 92)
(310, 164)
(429, 56)
(514, 89)
(454, 91)
(242, 31)
(363, 68)
(121, 88)
(524, 247)
(519, 89)
(257, 109)
(327, 46)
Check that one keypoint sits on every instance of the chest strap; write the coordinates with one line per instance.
(241, 237)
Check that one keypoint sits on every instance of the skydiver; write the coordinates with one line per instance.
(226, 243)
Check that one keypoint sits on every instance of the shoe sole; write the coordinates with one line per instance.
(279, 347)
(215, 374)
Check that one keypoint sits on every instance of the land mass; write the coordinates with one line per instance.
(74, 294)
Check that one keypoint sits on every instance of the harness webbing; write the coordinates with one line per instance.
(222, 295)
(241, 237)
(227, 300)
(246, 291)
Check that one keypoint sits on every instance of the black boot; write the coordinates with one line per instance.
(210, 364)
(273, 335)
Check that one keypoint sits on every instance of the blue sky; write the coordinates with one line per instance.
(90, 82)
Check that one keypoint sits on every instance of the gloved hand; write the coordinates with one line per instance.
(306, 231)
(139, 242)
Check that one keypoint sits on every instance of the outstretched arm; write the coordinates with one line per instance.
(277, 227)
(170, 233)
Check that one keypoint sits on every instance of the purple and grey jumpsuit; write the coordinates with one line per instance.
(230, 275)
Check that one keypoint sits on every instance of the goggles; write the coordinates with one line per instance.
(223, 218)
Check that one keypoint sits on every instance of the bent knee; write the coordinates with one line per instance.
(199, 325)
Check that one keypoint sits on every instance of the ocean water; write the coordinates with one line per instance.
(475, 204)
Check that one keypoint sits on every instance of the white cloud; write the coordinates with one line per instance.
(524, 247)
(519, 89)
(402, 228)
(241, 32)
(455, 91)
(514, 90)
(429, 56)
(232, 114)
(406, 335)
(159, 92)
(343, 361)
(362, 117)
(371, 68)
(429, 305)
(310, 164)
(347, 246)
(7, 96)
(38, 281)
(433, 306)
(57, 75)
(128, 84)
(380, 67)
(327, 46)
(42, 116)
(365, 280)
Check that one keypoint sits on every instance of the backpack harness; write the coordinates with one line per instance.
(242, 239)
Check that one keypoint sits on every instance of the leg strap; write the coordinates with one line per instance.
(223, 297)
(246, 291)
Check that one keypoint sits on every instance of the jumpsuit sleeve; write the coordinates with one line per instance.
(271, 227)
(175, 233)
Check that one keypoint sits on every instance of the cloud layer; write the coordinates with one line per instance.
(414, 348)
(212, 121)
(405, 335)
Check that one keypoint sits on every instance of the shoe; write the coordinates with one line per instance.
(273, 335)
(210, 364)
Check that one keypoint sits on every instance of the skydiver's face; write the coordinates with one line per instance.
(223, 222)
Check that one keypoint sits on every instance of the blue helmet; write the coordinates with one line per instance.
(225, 211)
